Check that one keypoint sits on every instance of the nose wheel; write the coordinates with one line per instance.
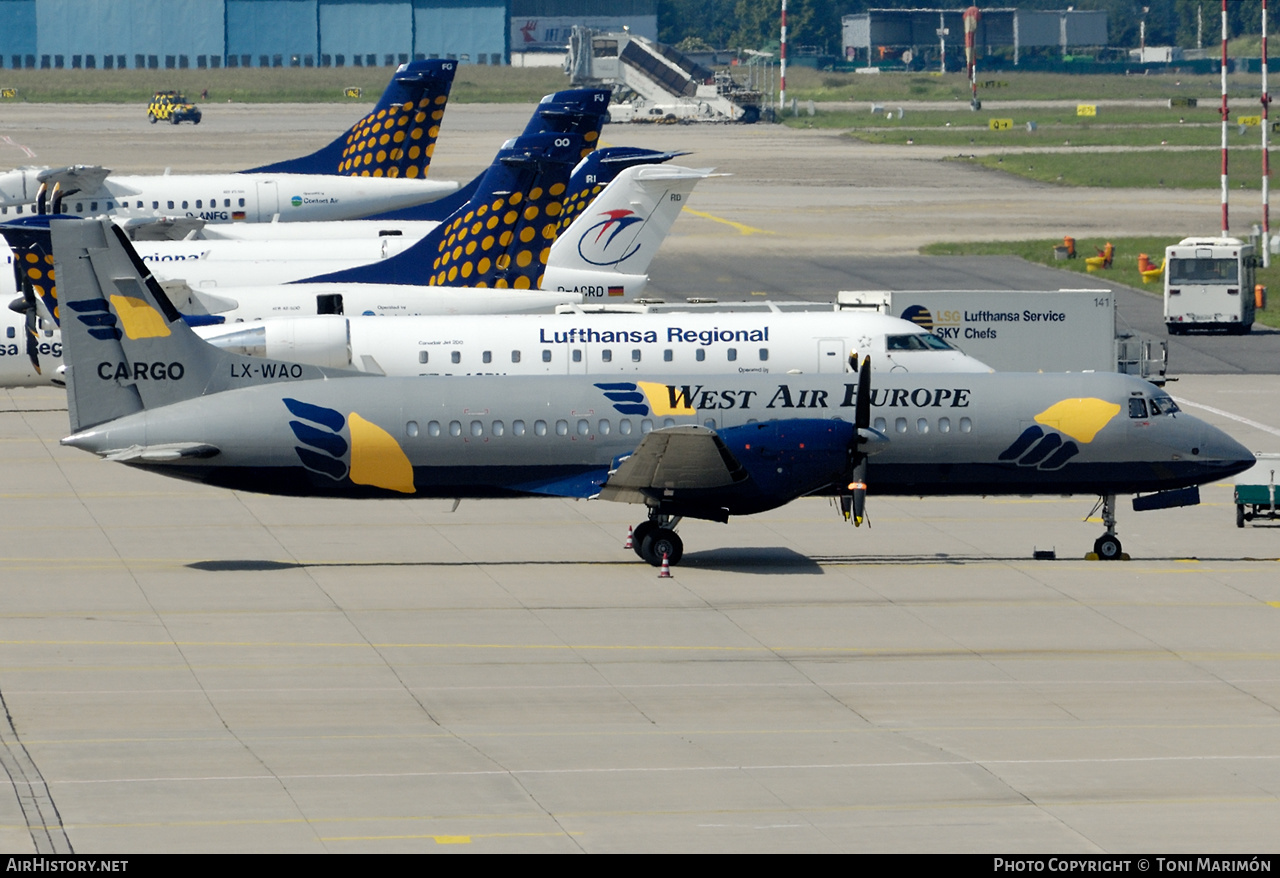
(653, 539)
(1107, 547)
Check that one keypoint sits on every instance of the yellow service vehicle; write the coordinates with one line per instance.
(173, 106)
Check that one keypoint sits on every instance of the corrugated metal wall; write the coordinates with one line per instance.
(106, 34)
(163, 28)
(366, 27)
(454, 31)
(18, 30)
(259, 29)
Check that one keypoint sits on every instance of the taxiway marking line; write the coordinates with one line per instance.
(741, 227)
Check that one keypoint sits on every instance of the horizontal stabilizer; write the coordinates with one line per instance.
(76, 178)
(159, 453)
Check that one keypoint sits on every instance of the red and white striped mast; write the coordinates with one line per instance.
(782, 98)
(1266, 159)
(1225, 228)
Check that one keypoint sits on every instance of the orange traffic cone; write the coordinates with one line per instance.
(629, 544)
(665, 572)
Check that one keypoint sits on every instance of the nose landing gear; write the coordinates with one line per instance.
(1107, 547)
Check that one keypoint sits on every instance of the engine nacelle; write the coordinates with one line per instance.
(594, 286)
(322, 340)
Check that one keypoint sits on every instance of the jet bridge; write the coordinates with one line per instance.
(655, 83)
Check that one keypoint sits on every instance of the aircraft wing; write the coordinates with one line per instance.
(673, 459)
(75, 178)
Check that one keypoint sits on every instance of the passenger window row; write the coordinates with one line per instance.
(922, 425)
(138, 205)
(606, 355)
(561, 427)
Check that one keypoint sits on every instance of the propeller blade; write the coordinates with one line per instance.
(858, 487)
(32, 325)
(862, 410)
(41, 196)
(857, 507)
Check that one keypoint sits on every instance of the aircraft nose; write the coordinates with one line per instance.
(1217, 448)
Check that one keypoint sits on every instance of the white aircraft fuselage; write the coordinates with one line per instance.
(234, 198)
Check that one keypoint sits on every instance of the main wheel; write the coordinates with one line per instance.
(1107, 547)
(663, 542)
(1239, 515)
(151, 117)
(639, 534)
(174, 118)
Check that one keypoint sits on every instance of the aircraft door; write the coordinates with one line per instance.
(831, 355)
(268, 200)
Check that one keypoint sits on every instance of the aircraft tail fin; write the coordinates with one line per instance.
(397, 139)
(623, 228)
(28, 238)
(501, 237)
(580, 111)
(125, 347)
(598, 170)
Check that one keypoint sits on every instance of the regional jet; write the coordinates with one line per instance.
(501, 251)
(379, 164)
(144, 390)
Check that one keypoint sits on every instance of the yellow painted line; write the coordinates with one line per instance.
(744, 229)
(1158, 654)
(1275, 604)
(1186, 560)
(449, 839)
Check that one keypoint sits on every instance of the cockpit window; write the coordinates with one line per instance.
(1137, 407)
(1163, 405)
(916, 341)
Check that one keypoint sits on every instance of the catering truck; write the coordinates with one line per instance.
(1209, 284)
(1025, 330)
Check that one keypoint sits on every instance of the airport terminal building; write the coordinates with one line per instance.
(179, 34)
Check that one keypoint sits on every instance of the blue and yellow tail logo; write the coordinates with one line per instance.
(397, 141)
(137, 318)
(371, 457)
(1080, 420)
(649, 397)
(96, 314)
(503, 244)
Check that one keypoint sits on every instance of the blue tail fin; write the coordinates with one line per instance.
(501, 237)
(28, 238)
(576, 111)
(396, 140)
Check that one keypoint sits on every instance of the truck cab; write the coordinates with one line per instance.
(1209, 284)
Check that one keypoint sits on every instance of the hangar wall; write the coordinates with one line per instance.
(107, 34)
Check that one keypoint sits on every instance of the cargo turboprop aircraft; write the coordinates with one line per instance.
(145, 391)
(377, 165)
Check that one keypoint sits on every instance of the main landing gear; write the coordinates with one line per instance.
(1107, 546)
(657, 537)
